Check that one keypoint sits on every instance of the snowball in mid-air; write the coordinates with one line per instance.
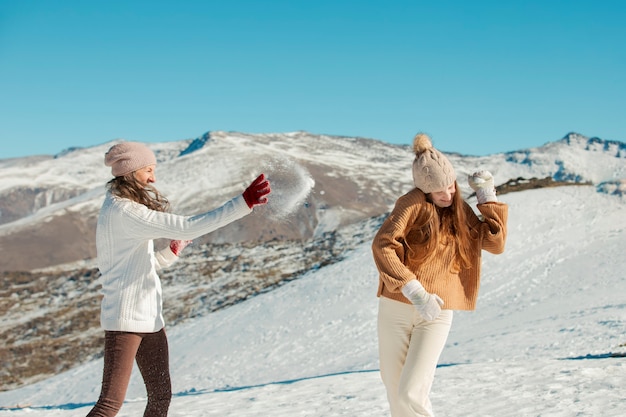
(291, 184)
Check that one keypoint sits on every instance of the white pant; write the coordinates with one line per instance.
(409, 348)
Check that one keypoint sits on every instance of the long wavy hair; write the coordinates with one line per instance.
(128, 187)
(448, 225)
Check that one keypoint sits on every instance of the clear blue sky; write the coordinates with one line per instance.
(479, 76)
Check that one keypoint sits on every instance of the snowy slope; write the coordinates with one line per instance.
(545, 339)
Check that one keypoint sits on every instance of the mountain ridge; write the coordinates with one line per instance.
(58, 198)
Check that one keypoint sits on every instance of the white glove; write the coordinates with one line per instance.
(428, 305)
(482, 183)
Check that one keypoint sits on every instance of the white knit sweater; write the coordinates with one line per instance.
(132, 297)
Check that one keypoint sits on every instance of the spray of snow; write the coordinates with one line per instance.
(291, 184)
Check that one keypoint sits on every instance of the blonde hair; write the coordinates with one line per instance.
(128, 187)
(435, 225)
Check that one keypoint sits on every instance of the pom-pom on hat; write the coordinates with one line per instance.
(432, 171)
(127, 157)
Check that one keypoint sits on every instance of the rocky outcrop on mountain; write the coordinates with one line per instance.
(51, 317)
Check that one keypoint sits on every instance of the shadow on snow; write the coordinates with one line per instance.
(193, 391)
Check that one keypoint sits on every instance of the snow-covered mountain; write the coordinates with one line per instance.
(552, 300)
(48, 205)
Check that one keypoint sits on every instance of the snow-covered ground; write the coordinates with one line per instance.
(546, 339)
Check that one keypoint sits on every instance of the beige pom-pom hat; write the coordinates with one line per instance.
(432, 171)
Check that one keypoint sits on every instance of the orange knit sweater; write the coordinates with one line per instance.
(458, 289)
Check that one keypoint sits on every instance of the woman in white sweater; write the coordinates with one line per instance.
(133, 214)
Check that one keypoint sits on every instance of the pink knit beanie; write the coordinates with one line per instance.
(127, 157)
(432, 171)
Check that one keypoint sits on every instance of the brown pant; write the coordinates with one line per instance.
(150, 350)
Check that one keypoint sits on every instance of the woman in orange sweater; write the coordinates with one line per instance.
(428, 254)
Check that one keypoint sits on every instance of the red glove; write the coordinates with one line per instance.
(255, 193)
(177, 246)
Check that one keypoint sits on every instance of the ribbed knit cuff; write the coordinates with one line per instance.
(486, 195)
